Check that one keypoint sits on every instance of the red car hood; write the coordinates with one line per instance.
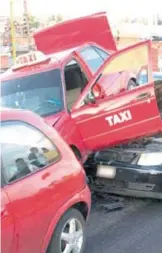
(53, 119)
(75, 32)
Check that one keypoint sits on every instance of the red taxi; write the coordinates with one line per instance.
(79, 91)
(45, 200)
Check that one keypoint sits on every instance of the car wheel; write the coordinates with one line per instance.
(131, 84)
(69, 235)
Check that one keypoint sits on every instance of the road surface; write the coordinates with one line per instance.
(137, 228)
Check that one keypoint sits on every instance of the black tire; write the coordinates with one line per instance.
(72, 213)
(131, 84)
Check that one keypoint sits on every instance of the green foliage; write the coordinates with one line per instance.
(34, 22)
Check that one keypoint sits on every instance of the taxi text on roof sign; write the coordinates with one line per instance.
(29, 59)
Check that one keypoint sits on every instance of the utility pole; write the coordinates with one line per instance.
(13, 39)
(27, 22)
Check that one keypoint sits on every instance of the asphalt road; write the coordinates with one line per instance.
(137, 228)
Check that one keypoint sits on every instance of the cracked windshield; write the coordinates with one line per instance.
(40, 93)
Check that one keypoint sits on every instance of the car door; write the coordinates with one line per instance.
(35, 183)
(7, 224)
(107, 120)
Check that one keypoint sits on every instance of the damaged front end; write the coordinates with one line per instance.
(133, 169)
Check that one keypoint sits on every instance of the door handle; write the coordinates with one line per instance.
(143, 96)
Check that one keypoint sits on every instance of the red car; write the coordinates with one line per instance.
(90, 47)
(45, 200)
(87, 105)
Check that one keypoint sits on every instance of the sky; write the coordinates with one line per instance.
(73, 8)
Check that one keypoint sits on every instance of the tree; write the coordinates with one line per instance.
(52, 18)
(59, 18)
(55, 18)
(34, 22)
(159, 20)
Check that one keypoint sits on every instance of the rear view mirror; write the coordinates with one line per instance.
(98, 91)
(90, 98)
(95, 93)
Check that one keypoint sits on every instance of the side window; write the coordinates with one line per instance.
(101, 52)
(92, 58)
(142, 77)
(75, 81)
(117, 73)
(24, 150)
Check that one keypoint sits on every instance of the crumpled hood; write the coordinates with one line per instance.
(143, 152)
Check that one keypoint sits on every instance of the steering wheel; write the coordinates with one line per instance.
(52, 102)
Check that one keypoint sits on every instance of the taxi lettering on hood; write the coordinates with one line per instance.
(119, 118)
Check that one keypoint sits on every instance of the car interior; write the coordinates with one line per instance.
(75, 81)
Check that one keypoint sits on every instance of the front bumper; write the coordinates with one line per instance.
(131, 182)
(128, 177)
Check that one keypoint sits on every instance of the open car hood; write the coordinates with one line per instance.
(72, 33)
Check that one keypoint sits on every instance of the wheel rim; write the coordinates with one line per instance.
(71, 240)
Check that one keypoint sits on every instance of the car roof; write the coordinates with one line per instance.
(13, 114)
(29, 117)
(55, 61)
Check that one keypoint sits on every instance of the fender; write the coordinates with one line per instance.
(83, 196)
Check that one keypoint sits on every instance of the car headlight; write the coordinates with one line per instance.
(150, 159)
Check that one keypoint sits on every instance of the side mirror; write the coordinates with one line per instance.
(98, 92)
(90, 98)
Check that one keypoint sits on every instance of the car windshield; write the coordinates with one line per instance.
(41, 93)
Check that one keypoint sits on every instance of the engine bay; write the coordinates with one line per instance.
(130, 153)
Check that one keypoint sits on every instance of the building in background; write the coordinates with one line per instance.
(4, 51)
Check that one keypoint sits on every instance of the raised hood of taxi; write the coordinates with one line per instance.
(72, 33)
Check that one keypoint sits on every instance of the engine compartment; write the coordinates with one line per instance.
(130, 153)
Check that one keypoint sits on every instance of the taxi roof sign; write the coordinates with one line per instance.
(31, 58)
